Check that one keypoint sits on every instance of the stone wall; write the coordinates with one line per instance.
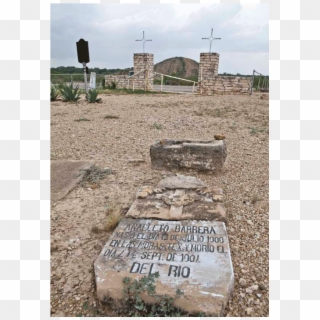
(141, 62)
(120, 80)
(210, 83)
(231, 85)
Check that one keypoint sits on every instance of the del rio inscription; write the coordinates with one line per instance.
(171, 248)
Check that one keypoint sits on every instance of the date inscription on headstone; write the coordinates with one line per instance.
(192, 256)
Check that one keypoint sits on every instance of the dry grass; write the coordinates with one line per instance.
(94, 174)
(114, 214)
(113, 217)
(110, 116)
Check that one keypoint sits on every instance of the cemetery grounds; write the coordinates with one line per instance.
(117, 134)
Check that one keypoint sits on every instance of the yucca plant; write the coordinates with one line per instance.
(54, 93)
(69, 93)
(92, 96)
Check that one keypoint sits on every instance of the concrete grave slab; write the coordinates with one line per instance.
(202, 155)
(192, 256)
(178, 204)
(65, 175)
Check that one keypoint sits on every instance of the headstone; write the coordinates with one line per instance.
(202, 155)
(192, 256)
(92, 80)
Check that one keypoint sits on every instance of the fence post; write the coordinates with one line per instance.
(252, 82)
(264, 79)
(85, 76)
(193, 87)
(161, 83)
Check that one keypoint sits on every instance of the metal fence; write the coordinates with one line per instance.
(259, 82)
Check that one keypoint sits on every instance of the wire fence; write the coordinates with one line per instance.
(76, 79)
(260, 82)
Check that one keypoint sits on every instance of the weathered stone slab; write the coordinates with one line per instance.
(202, 155)
(192, 256)
(179, 181)
(178, 204)
(65, 175)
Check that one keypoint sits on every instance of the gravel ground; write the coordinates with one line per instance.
(120, 130)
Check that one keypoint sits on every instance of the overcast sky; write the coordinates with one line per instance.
(175, 30)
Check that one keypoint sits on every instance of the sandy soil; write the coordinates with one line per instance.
(114, 142)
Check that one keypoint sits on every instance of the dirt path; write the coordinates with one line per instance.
(122, 128)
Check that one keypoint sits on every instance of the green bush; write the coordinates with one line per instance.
(92, 96)
(69, 93)
(112, 85)
(54, 93)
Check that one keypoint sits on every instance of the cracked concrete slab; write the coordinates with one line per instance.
(65, 175)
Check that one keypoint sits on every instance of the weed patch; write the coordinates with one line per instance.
(164, 305)
(94, 174)
(157, 126)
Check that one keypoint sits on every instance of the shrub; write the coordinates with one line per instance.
(54, 93)
(112, 85)
(92, 96)
(164, 306)
(69, 93)
(94, 174)
(103, 83)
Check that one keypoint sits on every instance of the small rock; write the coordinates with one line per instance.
(249, 290)
(219, 136)
(77, 298)
(249, 311)
(89, 189)
(259, 295)
(262, 286)
(254, 287)
(242, 282)
(142, 194)
(218, 198)
(249, 222)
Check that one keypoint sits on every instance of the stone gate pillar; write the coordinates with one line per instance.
(141, 62)
(208, 70)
